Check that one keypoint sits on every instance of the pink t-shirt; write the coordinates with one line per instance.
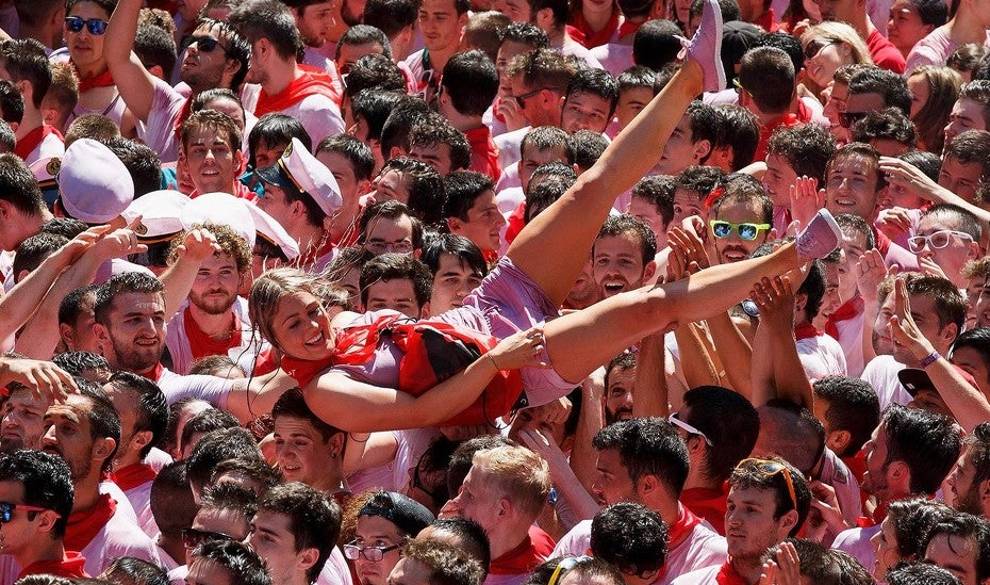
(935, 49)
(335, 570)
(159, 131)
(856, 542)
(614, 57)
(836, 474)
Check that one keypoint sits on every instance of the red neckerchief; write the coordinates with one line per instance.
(686, 521)
(575, 33)
(870, 521)
(84, 526)
(310, 82)
(71, 566)
(767, 21)
(805, 331)
(265, 363)
(491, 257)
(628, 28)
(525, 557)
(202, 345)
(181, 118)
(484, 153)
(708, 503)
(99, 80)
(727, 575)
(26, 145)
(155, 373)
(596, 38)
(856, 464)
(133, 475)
(845, 312)
(517, 221)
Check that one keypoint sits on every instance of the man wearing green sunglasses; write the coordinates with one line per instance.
(740, 220)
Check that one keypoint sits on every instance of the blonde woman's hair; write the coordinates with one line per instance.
(839, 32)
(944, 84)
(518, 473)
(269, 289)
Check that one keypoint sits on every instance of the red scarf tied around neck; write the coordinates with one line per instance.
(132, 476)
(84, 526)
(99, 80)
(311, 82)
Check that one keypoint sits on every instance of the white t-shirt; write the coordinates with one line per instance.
(881, 373)
(509, 146)
(821, 356)
(850, 333)
(209, 388)
(318, 114)
(935, 49)
(119, 537)
(509, 178)
(702, 548)
(572, 48)
(177, 339)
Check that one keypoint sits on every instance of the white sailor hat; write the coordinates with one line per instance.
(94, 185)
(220, 209)
(159, 212)
(271, 230)
(298, 170)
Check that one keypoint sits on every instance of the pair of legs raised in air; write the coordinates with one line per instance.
(553, 248)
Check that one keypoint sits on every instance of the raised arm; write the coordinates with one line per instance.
(911, 179)
(788, 379)
(968, 405)
(40, 337)
(135, 84)
(650, 389)
(358, 407)
(197, 246)
(18, 305)
(870, 272)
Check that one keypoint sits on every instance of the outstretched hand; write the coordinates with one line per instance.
(776, 303)
(521, 349)
(806, 199)
(198, 245)
(903, 330)
(43, 378)
(688, 254)
(870, 272)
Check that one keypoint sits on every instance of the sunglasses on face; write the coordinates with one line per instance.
(204, 43)
(191, 537)
(95, 26)
(815, 47)
(771, 468)
(690, 429)
(936, 240)
(7, 510)
(521, 99)
(746, 231)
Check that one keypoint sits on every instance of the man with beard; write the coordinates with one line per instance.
(215, 320)
(85, 431)
(910, 453)
(643, 460)
(740, 220)
(216, 56)
(130, 331)
(143, 418)
(623, 255)
(768, 502)
(620, 383)
(969, 481)
(286, 87)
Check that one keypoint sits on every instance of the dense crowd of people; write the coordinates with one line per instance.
(495, 292)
